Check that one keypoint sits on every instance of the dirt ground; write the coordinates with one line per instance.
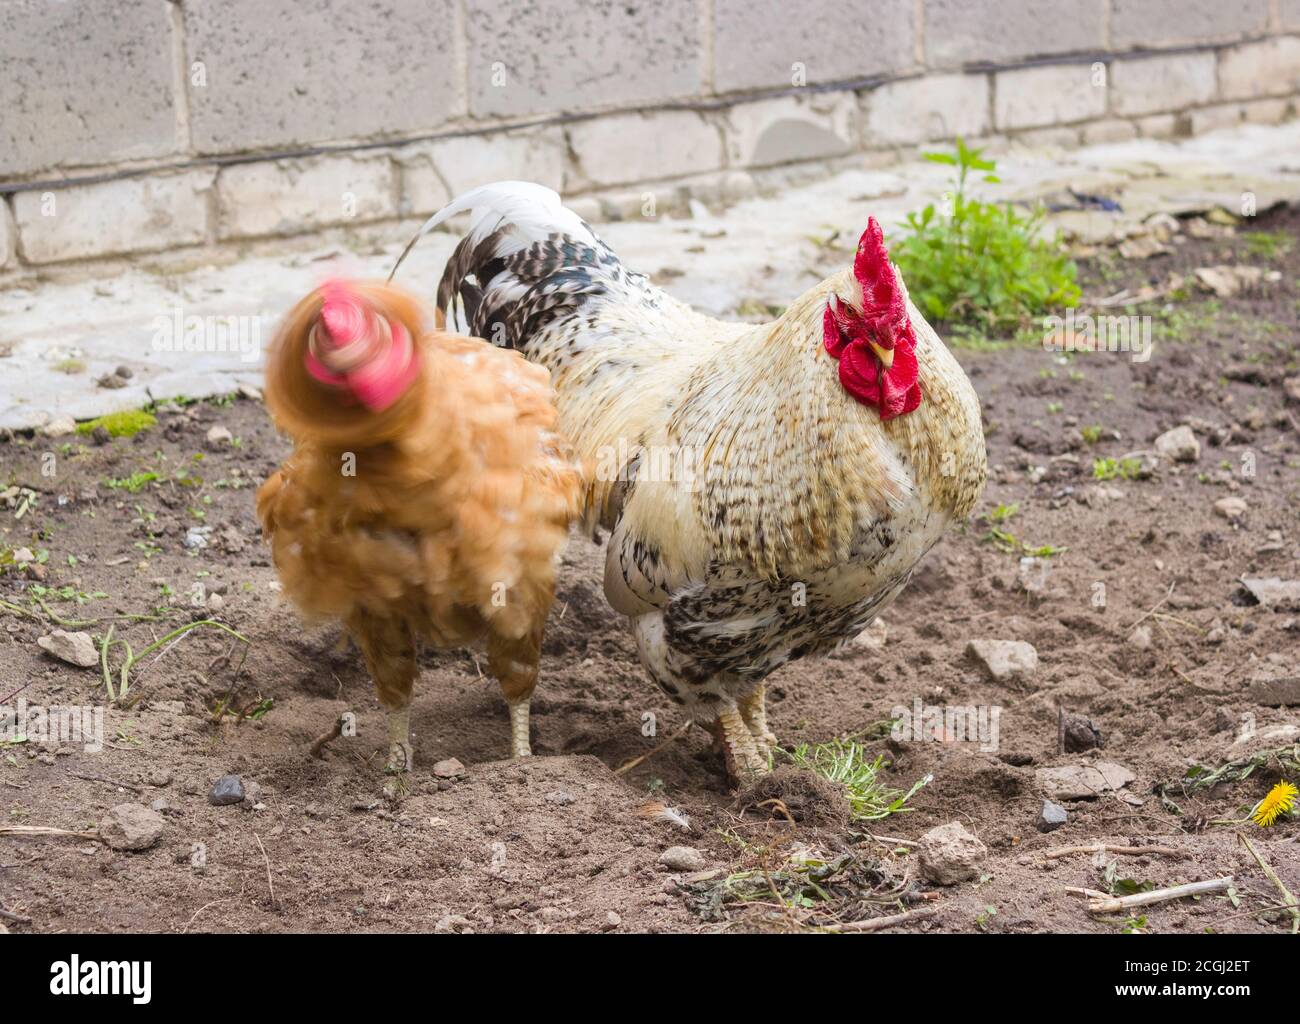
(556, 843)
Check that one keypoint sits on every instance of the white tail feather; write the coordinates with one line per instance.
(534, 210)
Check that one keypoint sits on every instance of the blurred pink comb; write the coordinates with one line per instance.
(351, 347)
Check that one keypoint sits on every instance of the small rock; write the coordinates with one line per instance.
(252, 794)
(1083, 782)
(1230, 508)
(229, 789)
(196, 537)
(74, 648)
(1140, 638)
(250, 392)
(951, 854)
(1275, 693)
(612, 921)
(1004, 660)
(1274, 592)
(59, 427)
(1051, 817)
(560, 798)
(131, 827)
(111, 381)
(216, 602)
(682, 858)
(100, 436)
(23, 556)
(1179, 444)
(449, 768)
(219, 435)
(1078, 733)
(124, 372)
(159, 779)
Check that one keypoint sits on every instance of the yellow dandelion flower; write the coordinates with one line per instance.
(1281, 798)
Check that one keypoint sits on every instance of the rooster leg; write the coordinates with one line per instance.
(513, 660)
(389, 650)
(742, 755)
(753, 709)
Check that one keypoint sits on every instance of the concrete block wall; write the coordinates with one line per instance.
(134, 126)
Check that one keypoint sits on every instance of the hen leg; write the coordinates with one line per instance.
(389, 650)
(513, 660)
(753, 709)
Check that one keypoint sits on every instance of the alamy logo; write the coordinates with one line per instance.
(65, 725)
(176, 332)
(131, 978)
(936, 723)
(1079, 332)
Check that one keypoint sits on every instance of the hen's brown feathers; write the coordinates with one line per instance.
(444, 512)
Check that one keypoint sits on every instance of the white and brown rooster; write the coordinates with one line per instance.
(769, 489)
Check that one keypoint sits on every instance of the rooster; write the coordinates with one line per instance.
(768, 489)
(427, 497)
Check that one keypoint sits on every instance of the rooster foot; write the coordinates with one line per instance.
(740, 751)
(753, 710)
(519, 746)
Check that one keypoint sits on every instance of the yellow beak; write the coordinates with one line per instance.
(886, 354)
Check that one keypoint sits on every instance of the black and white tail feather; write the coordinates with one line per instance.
(526, 261)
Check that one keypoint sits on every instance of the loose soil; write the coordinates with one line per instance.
(556, 843)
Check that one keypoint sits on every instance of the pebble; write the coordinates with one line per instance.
(683, 858)
(1004, 660)
(229, 789)
(951, 854)
(1078, 733)
(1140, 638)
(560, 798)
(1274, 693)
(1051, 817)
(1179, 444)
(131, 827)
(219, 435)
(450, 768)
(59, 427)
(1230, 508)
(612, 921)
(74, 648)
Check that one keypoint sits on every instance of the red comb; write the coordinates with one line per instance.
(352, 347)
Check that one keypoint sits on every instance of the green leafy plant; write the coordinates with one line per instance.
(982, 263)
(1111, 469)
(847, 762)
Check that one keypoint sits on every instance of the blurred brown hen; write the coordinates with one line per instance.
(427, 497)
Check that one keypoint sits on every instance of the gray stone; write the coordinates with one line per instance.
(1179, 444)
(1284, 692)
(1149, 85)
(303, 72)
(1051, 817)
(1083, 782)
(757, 42)
(1047, 96)
(1274, 592)
(683, 858)
(74, 648)
(1271, 67)
(131, 827)
(636, 147)
(1078, 733)
(1004, 660)
(1140, 23)
(958, 31)
(951, 854)
(229, 789)
(600, 53)
(288, 197)
(936, 107)
(84, 83)
(159, 211)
